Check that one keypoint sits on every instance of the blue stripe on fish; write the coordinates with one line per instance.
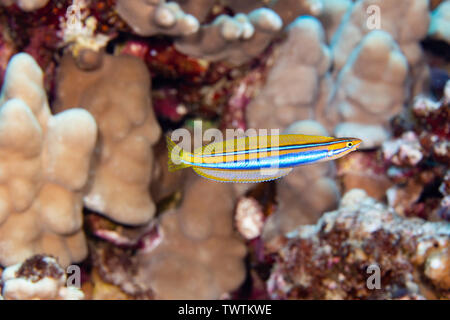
(270, 149)
(280, 161)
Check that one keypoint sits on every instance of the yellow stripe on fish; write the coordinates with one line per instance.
(258, 158)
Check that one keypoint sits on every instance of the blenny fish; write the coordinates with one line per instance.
(258, 158)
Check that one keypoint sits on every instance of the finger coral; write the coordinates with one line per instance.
(370, 90)
(235, 39)
(406, 21)
(331, 16)
(193, 254)
(44, 164)
(38, 278)
(152, 17)
(331, 259)
(300, 73)
(199, 257)
(200, 9)
(288, 10)
(117, 95)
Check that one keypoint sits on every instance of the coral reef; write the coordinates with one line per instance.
(364, 170)
(89, 88)
(148, 18)
(332, 14)
(193, 254)
(117, 95)
(288, 10)
(329, 260)
(378, 69)
(45, 162)
(79, 34)
(418, 159)
(38, 278)
(233, 39)
(198, 258)
(369, 83)
(239, 38)
(200, 9)
(406, 21)
(300, 72)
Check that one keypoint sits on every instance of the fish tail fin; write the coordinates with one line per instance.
(175, 156)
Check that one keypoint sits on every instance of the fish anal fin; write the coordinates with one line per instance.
(242, 176)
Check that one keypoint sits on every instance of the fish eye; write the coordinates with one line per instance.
(349, 144)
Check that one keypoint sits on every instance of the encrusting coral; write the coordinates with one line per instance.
(417, 159)
(364, 170)
(38, 278)
(44, 164)
(117, 94)
(331, 259)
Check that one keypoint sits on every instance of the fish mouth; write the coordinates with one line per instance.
(356, 143)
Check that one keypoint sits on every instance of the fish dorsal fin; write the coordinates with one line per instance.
(287, 139)
(246, 143)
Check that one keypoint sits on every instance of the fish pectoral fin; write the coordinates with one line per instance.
(242, 176)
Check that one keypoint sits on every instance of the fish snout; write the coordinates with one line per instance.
(356, 142)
